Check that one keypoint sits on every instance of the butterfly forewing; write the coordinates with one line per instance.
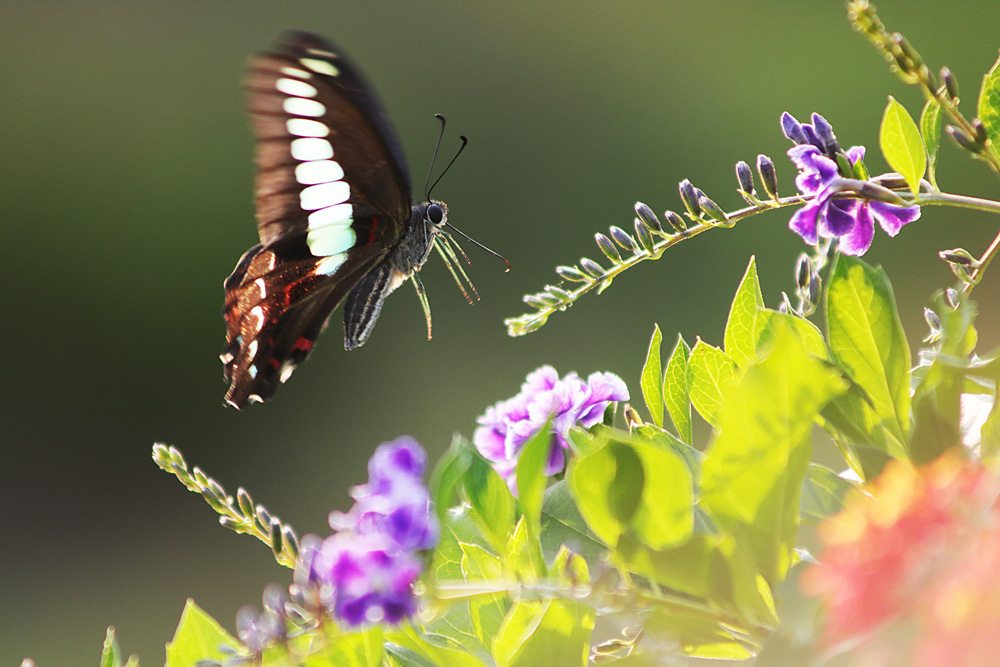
(321, 142)
(332, 196)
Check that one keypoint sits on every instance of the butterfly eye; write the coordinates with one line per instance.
(435, 214)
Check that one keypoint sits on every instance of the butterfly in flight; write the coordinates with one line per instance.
(334, 217)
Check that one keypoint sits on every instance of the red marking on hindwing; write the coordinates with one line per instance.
(371, 233)
(303, 344)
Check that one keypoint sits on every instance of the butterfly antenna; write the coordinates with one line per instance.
(461, 148)
(427, 186)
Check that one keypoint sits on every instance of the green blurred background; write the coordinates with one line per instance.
(125, 193)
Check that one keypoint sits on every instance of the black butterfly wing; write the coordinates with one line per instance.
(276, 307)
(332, 197)
(314, 117)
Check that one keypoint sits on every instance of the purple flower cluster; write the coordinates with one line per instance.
(851, 220)
(367, 568)
(508, 425)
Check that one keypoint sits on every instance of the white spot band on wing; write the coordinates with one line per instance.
(299, 106)
(296, 88)
(311, 149)
(303, 127)
(318, 171)
(324, 195)
(341, 214)
(330, 265)
(330, 241)
(320, 66)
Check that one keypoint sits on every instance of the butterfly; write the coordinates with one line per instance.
(334, 216)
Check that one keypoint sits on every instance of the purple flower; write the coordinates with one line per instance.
(372, 580)
(394, 501)
(365, 571)
(506, 426)
(850, 220)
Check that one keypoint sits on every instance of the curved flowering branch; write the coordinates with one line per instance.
(971, 135)
(241, 515)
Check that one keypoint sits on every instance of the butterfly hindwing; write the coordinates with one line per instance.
(276, 308)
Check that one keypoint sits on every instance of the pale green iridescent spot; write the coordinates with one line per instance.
(330, 265)
(324, 195)
(329, 241)
(341, 214)
(295, 88)
(311, 149)
(318, 171)
(300, 106)
(320, 66)
(303, 127)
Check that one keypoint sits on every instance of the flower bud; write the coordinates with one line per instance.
(803, 271)
(591, 267)
(557, 293)
(608, 248)
(981, 135)
(245, 502)
(824, 131)
(572, 274)
(768, 177)
(648, 217)
(792, 129)
(959, 256)
(622, 238)
(744, 177)
(950, 83)
(644, 235)
(713, 210)
(933, 321)
(675, 221)
(690, 198)
(963, 139)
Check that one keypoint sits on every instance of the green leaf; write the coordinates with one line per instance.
(711, 372)
(867, 340)
(448, 473)
(607, 485)
(562, 525)
(937, 409)
(822, 493)
(459, 528)
(665, 516)
(551, 632)
(989, 106)
(531, 477)
(675, 390)
(651, 381)
(751, 479)
(930, 131)
(746, 319)
(352, 649)
(486, 611)
(490, 501)
(901, 144)
(697, 634)
(198, 637)
(431, 649)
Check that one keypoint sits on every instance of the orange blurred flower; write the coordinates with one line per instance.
(922, 546)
